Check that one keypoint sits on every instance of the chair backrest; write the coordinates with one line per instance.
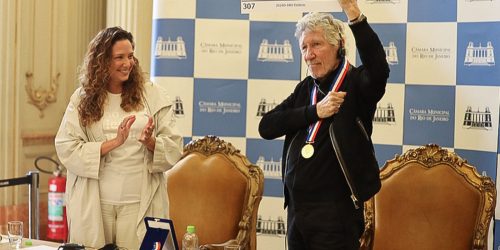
(215, 188)
(430, 199)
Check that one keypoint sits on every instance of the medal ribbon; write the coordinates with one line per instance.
(337, 82)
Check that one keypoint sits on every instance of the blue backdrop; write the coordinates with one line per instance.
(225, 70)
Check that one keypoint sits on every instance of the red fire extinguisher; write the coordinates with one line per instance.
(57, 226)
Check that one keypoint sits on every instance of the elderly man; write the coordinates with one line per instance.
(329, 164)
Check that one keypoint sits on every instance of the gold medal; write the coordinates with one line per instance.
(307, 151)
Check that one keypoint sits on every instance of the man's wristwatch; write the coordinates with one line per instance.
(358, 19)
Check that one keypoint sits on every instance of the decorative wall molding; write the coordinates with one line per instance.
(38, 138)
(40, 97)
(41, 45)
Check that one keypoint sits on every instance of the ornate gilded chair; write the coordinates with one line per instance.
(430, 199)
(215, 188)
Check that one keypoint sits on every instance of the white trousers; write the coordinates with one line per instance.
(120, 225)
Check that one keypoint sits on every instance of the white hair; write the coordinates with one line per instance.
(333, 28)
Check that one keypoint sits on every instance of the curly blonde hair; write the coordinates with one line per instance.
(94, 77)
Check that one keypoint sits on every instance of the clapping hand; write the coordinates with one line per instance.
(124, 129)
(147, 131)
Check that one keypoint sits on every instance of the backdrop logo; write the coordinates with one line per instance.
(479, 55)
(381, 1)
(271, 168)
(385, 115)
(265, 107)
(168, 49)
(477, 119)
(391, 54)
(430, 53)
(275, 52)
(219, 107)
(429, 115)
(271, 227)
(221, 48)
(178, 107)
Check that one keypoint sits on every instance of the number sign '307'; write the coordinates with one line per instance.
(253, 6)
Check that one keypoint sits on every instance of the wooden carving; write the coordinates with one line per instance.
(210, 145)
(40, 97)
(430, 156)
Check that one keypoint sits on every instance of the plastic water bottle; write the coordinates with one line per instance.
(190, 240)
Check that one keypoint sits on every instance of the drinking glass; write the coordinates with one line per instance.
(15, 233)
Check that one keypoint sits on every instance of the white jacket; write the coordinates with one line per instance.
(78, 149)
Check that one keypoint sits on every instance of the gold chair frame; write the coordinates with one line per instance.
(429, 156)
(210, 145)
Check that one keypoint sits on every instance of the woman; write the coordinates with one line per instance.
(116, 139)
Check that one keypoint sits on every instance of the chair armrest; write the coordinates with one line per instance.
(220, 246)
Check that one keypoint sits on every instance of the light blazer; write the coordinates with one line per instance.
(78, 149)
